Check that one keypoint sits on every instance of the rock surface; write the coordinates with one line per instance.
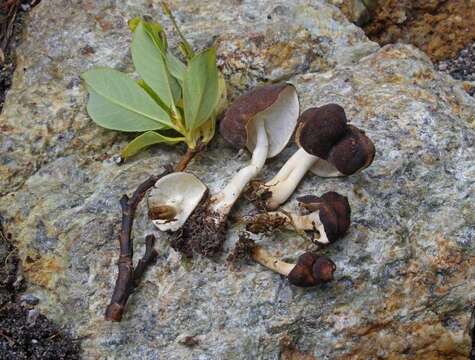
(404, 281)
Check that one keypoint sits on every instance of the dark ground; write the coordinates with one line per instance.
(24, 332)
(441, 28)
(12, 15)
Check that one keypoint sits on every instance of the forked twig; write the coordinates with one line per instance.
(128, 277)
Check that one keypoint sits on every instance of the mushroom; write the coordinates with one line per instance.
(328, 147)
(310, 269)
(325, 218)
(173, 199)
(262, 120)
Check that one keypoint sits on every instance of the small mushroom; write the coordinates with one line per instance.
(262, 120)
(325, 218)
(173, 199)
(310, 269)
(328, 147)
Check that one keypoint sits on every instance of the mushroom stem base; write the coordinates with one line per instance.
(267, 222)
(264, 258)
(289, 220)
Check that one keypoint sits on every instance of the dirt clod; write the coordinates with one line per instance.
(24, 332)
(441, 28)
(203, 233)
(241, 253)
(266, 223)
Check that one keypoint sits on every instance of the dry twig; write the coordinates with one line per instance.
(128, 277)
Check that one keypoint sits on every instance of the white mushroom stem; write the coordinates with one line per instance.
(225, 199)
(266, 259)
(285, 170)
(288, 178)
(299, 222)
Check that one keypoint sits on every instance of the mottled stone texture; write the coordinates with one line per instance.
(405, 270)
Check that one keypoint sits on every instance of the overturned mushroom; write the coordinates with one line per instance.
(310, 269)
(325, 218)
(173, 199)
(262, 120)
(328, 147)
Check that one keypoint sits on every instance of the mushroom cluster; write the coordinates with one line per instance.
(328, 147)
(263, 121)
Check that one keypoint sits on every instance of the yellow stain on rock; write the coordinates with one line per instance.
(414, 340)
(43, 271)
(392, 334)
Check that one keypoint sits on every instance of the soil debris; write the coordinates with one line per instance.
(241, 254)
(12, 18)
(203, 233)
(24, 332)
(441, 28)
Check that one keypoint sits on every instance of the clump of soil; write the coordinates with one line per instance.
(266, 223)
(24, 332)
(441, 28)
(241, 253)
(203, 232)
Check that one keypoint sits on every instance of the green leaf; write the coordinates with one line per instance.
(153, 29)
(117, 102)
(176, 67)
(151, 93)
(184, 44)
(133, 23)
(157, 34)
(145, 140)
(200, 88)
(150, 64)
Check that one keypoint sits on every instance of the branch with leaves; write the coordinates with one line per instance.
(173, 102)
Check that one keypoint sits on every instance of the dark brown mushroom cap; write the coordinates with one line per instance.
(234, 127)
(312, 270)
(335, 212)
(353, 153)
(320, 129)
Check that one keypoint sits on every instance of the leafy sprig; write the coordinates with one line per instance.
(173, 101)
